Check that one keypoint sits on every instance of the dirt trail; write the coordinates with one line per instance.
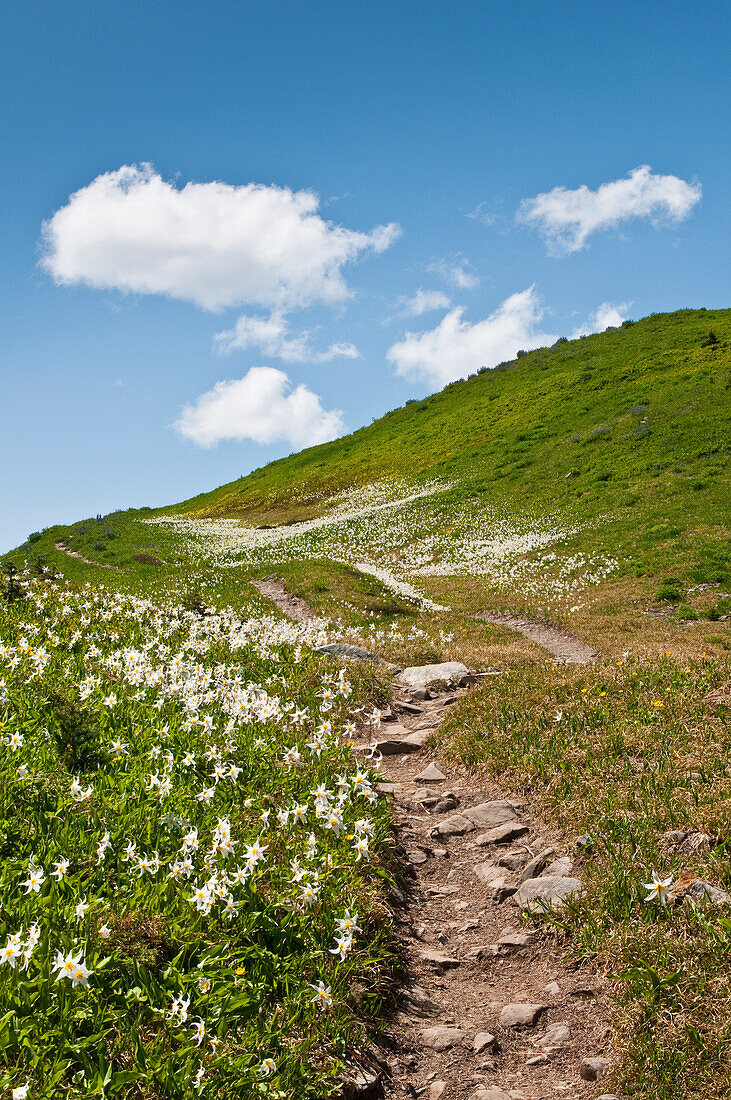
(469, 951)
(489, 1008)
(565, 646)
(293, 606)
(80, 557)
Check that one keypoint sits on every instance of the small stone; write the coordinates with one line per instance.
(700, 890)
(537, 1060)
(515, 940)
(436, 1088)
(441, 852)
(607, 1096)
(558, 868)
(448, 802)
(442, 1038)
(592, 1069)
(521, 1015)
(490, 814)
(536, 865)
(430, 774)
(512, 861)
(490, 1093)
(557, 1036)
(438, 960)
(553, 988)
(501, 834)
(417, 857)
(550, 892)
(583, 991)
(418, 739)
(485, 1041)
(457, 825)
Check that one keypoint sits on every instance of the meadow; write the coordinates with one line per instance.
(192, 861)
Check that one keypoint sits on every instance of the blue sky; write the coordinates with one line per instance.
(263, 188)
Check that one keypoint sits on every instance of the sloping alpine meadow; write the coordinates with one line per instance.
(192, 860)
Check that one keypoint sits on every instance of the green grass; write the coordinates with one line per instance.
(615, 445)
(635, 753)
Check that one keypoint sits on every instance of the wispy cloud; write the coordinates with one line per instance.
(457, 272)
(261, 406)
(456, 348)
(273, 336)
(602, 318)
(212, 244)
(423, 301)
(566, 219)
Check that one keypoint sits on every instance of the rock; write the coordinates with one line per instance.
(521, 1015)
(592, 1069)
(485, 1041)
(417, 856)
(488, 815)
(512, 861)
(355, 652)
(386, 787)
(698, 890)
(607, 1096)
(456, 825)
(537, 1060)
(559, 867)
(442, 852)
(418, 739)
(537, 893)
(442, 1038)
(489, 875)
(424, 793)
(501, 834)
(492, 1092)
(420, 676)
(557, 1036)
(438, 960)
(445, 804)
(392, 747)
(408, 708)
(583, 991)
(553, 988)
(436, 1088)
(430, 774)
(515, 940)
(536, 865)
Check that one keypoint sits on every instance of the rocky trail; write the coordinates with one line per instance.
(80, 557)
(489, 1008)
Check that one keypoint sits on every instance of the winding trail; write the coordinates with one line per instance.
(293, 606)
(60, 545)
(489, 1006)
(565, 646)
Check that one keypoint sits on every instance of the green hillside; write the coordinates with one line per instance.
(584, 425)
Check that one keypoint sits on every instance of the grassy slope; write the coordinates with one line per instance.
(627, 433)
(561, 428)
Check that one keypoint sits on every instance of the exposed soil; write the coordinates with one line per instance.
(75, 554)
(293, 606)
(467, 949)
(449, 910)
(565, 646)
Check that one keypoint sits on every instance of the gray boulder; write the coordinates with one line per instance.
(550, 891)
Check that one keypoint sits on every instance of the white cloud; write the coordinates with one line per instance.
(605, 315)
(457, 272)
(566, 219)
(261, 406)
(424, 301)
(273, 336)
(456, 348)
(212, 244)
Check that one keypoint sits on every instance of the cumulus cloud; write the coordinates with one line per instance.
(457, 272)
(424, 301)
(273, 336)
(456, 348)
(261, 406)
(605, 315)
(212, 244)
(566, 219)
